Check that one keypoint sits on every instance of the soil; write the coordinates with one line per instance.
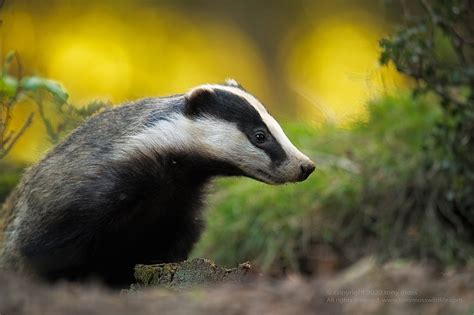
(364, 288)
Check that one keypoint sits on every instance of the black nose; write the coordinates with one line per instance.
(306, 170)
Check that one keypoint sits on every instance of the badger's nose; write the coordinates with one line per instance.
(306, 170)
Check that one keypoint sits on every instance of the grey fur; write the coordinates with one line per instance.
(73, 159)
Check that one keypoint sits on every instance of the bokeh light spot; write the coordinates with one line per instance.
(334, 67)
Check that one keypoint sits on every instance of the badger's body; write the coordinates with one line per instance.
(126, 187)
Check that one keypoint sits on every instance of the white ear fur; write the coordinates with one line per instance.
(232, 82)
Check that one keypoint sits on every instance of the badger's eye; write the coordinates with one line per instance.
(260, 137)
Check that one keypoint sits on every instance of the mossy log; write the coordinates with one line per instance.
(189, 273)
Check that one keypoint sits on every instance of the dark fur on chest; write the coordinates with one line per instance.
(146, 209)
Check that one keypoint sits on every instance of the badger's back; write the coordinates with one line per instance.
(82, 208)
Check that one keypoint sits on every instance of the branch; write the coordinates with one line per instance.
(6, 122)
(2, 123)
(406, 11)
(12, 142)
(430, 11)
(7, 138)
(9, 104)
(53, 136)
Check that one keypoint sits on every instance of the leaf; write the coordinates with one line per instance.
(57, 90)
(8, 86)
(35, 83)
(31, 83)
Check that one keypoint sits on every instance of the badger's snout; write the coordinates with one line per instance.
(296, 170)
(306, 169)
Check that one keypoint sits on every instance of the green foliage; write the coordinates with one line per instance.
(347, 204)
(55, 112)
(34, 84)
(436, 48)
(12, 90)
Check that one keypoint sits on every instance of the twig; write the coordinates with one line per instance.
(19, 73)
(8, 105)
(7, 138)
(430, 11)
(9, 146)
(433, 19)
(53, 136)
(5, 123)
(2, 124)
(406, 11)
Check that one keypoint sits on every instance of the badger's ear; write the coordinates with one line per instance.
(233, 83)
(198, 99)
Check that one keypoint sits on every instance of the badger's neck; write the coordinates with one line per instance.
(175, 149)
(168, 178)
(196, 167)
(180, 147)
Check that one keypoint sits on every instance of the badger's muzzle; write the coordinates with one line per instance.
(306, 169)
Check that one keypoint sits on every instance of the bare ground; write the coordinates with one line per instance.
(364, 288)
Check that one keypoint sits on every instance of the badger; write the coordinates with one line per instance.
(127, 186)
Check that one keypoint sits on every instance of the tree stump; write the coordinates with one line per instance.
(189, 273)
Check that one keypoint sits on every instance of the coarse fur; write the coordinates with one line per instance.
(127, 186)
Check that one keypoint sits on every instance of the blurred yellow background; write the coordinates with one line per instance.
(308, 60)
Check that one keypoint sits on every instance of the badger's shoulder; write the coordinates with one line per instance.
(89, 148)
(99, 133)
(123, 120)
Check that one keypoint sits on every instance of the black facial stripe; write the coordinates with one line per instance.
(272, 148)
(235, 109)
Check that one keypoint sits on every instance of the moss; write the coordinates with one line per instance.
(189, 273)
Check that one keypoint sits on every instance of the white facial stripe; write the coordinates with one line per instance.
(214, 138)
(161, 137)
(271, 123)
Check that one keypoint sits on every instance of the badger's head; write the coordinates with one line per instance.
(231, 125)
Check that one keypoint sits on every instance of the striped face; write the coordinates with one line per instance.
(231, 125)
